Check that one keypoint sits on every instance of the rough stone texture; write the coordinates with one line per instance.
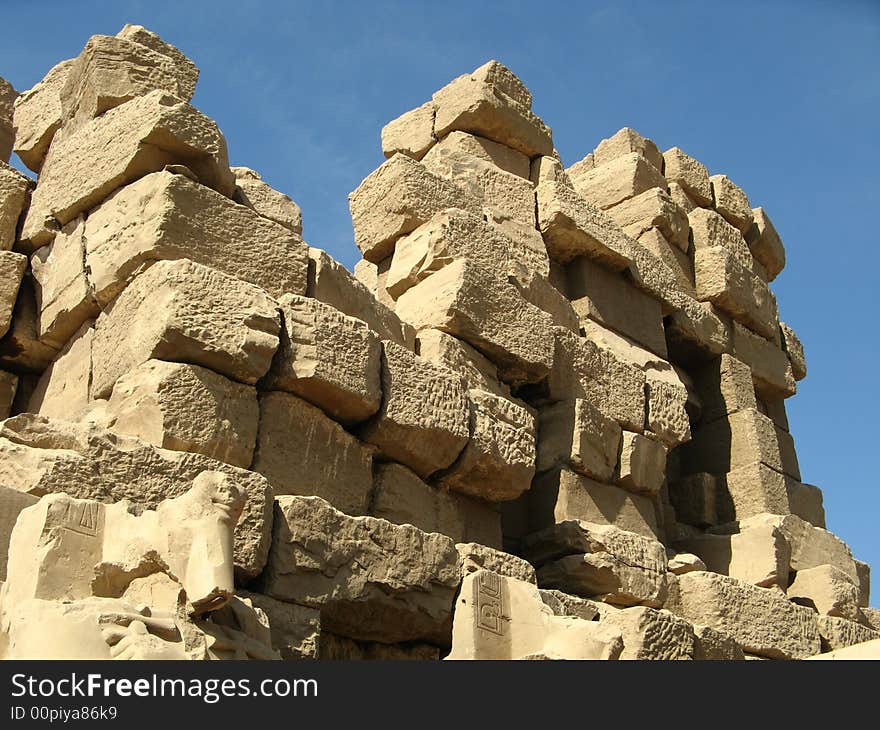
(751, 490)
(725, 387)
(653, 208)
(12, 268)
(731, 202)
(128, 142)
(839, 633)
(63, 390)
(12, 502)
(476, 557)
(766, 246)
(265, 200)
(691, 174)
(14, 193)
(296, 630)
(642, 464)
(758, 619)
(300, 451)
(771, 368)
(565, 604)
(412, 133)
(37, 116)
(617, 180)
(187, 408)
(713, 645)
(649, 634)
(499, 155)
(328, 358)
(709, 229)
(371, 580)
(21, 349)
(423, 420)
(42, 456)
(795, 351)
(806, 501)
(185, 312)
(863, 573)
(828, 590)
(8, 387)
(8, 96)
(623, 142)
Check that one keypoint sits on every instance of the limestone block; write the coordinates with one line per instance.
(617, 180)
(599, 561)
(719, 278)
(698, 327)
(12, 502)
(767, 246)
(667, 416)
(771, 369)
(694, 498)
(731, 201)
(572, 226)
(40, 456)
(498, 460)
(709, 229)
(503, 80)
(713, 645)
(759, 555)
(795, 351)
(423, 420)
(12, 267)
(63, 389)
(725, 387)
(863, 573)
(826, 589)
(806, 501)
(676, 260)
(8, 387)
(21, 349)
(411, 134)
(624, 142)
(479, 104)
(680, 563)
(839, 633)
(649, 634)
(649, 274)
(466, 301)
(371, 580)
(37, 115)
(751, 490)
(476, 557)
(565, 604)
(577, 435)
(759, 620)
(301, 451)
(499, 155)
(328, 358)
(331, 283)
(185, 69)
(869, 650)
(549, 169)
(14, 193)
(610, 300)
(187, 408)
(540, 291)
(296, 630)
(262, 198)
(733, 442)
(111, 70)
(653, 208)
(185, 312)
(459, 357)
(397, 198)
(8, 96)
(503, 618)
(691, 174)
(774, 408)
(682, 199)
(562, 494)
(642, 464)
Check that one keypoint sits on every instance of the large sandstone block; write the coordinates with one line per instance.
(267, 202)
(624, 142)
(732, 442)
(7, 135)
(185, 312)
(766, 246)
(827, 590)
(166, 217)
(713, 645)
(330, 282)
(295, 630)
(41, 456)
(14, 192)
(617, 180)
(698, 330)
(21, 349)
(301, 451)
(771, 369)
(731, 201)
(466, 301)
(491, 105)
(12, 502)
(411, 134)
(476, 557)
(709, 229)
(186, 69)
(751, 490)
(599, 561)
(37, 115)
(806, 501)
(759, 620)
(795, 350)
(8, 388)
(498, 461)
(672, 257)
(502, 156)
(694, 498)
(371, 580)
(642, 464)
(653, 208)
(124, 144)
(459, 357)
(839, 633)
(397, 198)
(12, 268)
(423, 420)
(863, 573)
(63, 390)
(571, 226)
(328, 358)
(691, 174)
(576, 434)
(725, 387)
(649, 634)
(187, 408)
(562, 494)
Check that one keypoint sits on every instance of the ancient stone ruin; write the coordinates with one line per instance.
(544, 418)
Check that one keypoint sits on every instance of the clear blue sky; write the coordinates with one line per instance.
(784, 97)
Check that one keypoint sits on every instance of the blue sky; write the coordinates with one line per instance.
(784, 97)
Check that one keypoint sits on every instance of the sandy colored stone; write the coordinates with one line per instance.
(578, 435)
(295, 630)
(617, 180)
(8, 96)
(124, 144)
(759, 620)
(839, 633)
(12, 502)
(698, 330)
(8, 387)
(185, 69)
(397, 198)
(694, 498)
(667, 415)
(411, 134)
(37, 115)
(771, 369)
(328, 358)
(653, 208)
(267, 202)
(341, 648)
(649, 634)
(500, 155)
(731, 201)
(498, 461)
(710, 229)
(14, 193)
(795, 350)
(476, 557)
(725, 387)
(863, 573)
(481, 104)
(12, 268)
(682, 562)
(301, 451)
(806, 501)
(766, 245)
(423, 421)
(676, 260)
(624, 142)
(868, 650)
(186, 312)
(330, 282)
(40, 456)
(63, 388)
(713, 645)
(164, 216)
(682, 199)
(187, 408)
(571, 227)
(459, 357)
(565, 604)
(642, 465)
(691, 174)
(21, 350)
(751, 490)
(371, 580)
(826, 589)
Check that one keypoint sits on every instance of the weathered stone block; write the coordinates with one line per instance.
(63, 389)
(713, 645)
(709, 229)
(296, 630)
(411, 134)
(649, 634)
(12, 502)
(766, 245)
(694, 498)
(7, 135)
(623, 142)
(725, 387)
(267, 202)
(771, 368)
(642, 465)
(732, 442)
(8, 387)
(617, 180)
(12, 268)
(653, 208)
(37, 116)
(500, 155)
(795, 351)
(691, 174)
(806, 501)
(731, 201)
(839, 633)
(476, 557)
(826, 589)
(14, 193)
